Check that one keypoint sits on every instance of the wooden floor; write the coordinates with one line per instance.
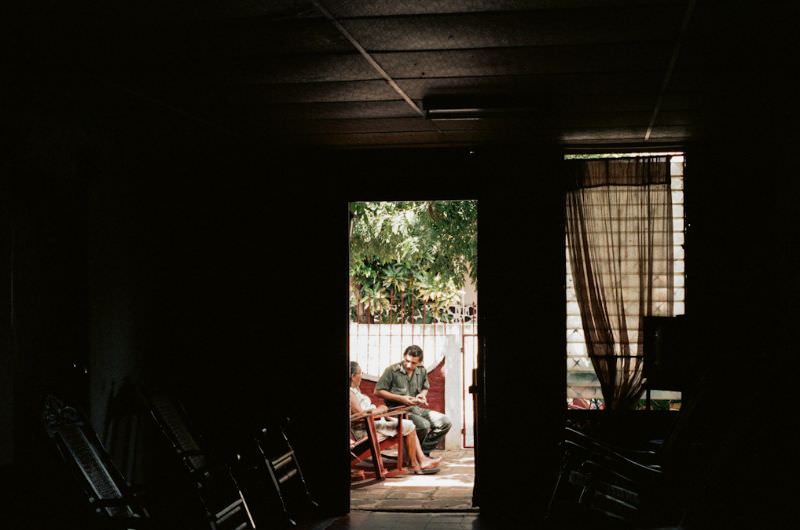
(449, 490)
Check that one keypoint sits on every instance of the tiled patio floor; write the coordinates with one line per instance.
(448, 490)
(363, 520)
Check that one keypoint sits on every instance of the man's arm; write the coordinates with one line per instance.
(422, 397)
(385, 394)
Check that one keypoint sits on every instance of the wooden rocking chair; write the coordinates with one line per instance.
(116, 503)
(277, 462)
(219, 491)
(368, 448)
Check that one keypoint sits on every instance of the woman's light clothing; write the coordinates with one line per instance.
(384, 426)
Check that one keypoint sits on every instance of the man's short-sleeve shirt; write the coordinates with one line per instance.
(397, 381)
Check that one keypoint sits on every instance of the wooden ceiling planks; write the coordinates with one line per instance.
(350, 9)
(587, 71)
(517, 29)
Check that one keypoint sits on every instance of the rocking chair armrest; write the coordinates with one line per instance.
(601, 470)
(396, 411)
(617, 464)
(643, 456)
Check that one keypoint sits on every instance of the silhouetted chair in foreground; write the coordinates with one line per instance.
(116, 503)
(277, 465)
(367, 446)
(216, 485)
(606, 481)
(639, 486)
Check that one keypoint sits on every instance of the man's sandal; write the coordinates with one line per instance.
(426, 471)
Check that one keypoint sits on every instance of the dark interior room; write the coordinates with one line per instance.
(175, 205)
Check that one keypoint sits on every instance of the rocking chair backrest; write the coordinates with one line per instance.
(171, 418)
(219, 492)
(283, 469)
(78, 444)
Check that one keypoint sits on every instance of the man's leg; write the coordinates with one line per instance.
(421, 424)
(439, 426)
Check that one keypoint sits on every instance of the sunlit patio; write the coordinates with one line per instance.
(450, 489)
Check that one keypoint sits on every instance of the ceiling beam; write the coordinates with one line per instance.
(670, 68)
(368, 57)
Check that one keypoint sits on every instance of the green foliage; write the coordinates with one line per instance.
(408, 260)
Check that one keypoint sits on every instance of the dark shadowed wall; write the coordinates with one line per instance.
(152, 248)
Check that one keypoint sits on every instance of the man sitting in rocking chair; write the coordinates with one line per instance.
(406, 383)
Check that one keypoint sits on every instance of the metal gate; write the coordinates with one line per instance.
(469, 365)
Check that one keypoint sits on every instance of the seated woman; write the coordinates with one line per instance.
(420, 464)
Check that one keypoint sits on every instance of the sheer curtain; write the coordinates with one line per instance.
(619, 234)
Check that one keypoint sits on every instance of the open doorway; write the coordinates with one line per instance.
(413, 282)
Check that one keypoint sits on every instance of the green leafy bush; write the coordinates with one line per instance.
(409, 260)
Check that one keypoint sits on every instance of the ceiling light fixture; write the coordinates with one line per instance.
(472, 107)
